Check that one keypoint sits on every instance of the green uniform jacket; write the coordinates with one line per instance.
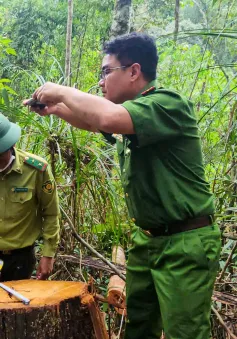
(29, 205)
(161, 165)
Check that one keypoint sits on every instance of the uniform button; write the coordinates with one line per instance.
(124, 170)
(0, 220)
(126, 194)
(2, 198)
(133, 219)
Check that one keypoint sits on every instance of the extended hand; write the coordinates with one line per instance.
(49, 93)
(50, 109)
(45, 268)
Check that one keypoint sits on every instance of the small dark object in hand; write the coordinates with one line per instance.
(35, 103)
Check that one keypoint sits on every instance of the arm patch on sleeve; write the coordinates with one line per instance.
(48, 186)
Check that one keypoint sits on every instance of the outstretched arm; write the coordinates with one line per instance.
(83, 110)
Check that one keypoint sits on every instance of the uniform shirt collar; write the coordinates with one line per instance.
(150, 84)
(17, 165)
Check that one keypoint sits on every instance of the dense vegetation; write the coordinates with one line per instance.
(197, 51)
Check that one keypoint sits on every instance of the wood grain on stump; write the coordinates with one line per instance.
(57, 310)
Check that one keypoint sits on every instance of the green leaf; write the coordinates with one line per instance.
(5, 80)
(5, 97)
(9, 90)
(10, 50)
(214, 2)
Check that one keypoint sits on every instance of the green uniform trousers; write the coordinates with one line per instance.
(18, 265)
(170, 281)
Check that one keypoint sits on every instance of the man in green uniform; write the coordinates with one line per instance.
(28, 208)
(173, 260)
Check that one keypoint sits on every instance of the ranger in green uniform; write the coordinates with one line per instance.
(28, 208)
(173, 260)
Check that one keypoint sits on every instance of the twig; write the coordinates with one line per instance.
(229, 236)
(223, 323)
(121, 323)
(227, 262)
(105, 300)
(54, 275)
(67, 271)
(81, 269)
(83, 242)
(226, 283)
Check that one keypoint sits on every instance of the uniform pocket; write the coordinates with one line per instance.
(20, 197)
(20, 204)
(132, 236)
(210, 241)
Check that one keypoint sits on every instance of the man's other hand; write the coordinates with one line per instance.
(45, 268)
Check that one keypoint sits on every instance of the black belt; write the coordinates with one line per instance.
(17, 250)
(180, 226)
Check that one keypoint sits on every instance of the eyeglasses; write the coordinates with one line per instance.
(105, 72)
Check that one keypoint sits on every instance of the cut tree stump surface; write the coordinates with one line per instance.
(41, 293)
(57, 310)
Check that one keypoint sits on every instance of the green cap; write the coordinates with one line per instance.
(9, 133)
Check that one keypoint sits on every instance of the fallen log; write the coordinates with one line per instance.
(57, 310)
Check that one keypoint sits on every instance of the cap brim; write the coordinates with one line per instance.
(9, 140)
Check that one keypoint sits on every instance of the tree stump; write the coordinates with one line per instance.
(57, 310)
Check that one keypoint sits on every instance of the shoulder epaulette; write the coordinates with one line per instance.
(148, 91)
(39, 165)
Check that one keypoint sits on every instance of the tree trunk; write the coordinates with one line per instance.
(121, 19)
(68, 43)
(176, 29)
(57, 310)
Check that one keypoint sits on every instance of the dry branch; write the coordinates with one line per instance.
(227, 262)
(83, 242)
(91, 262)
(223, 323)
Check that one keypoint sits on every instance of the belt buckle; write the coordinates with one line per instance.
(6, 252)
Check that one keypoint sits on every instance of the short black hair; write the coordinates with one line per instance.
(135, 48)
